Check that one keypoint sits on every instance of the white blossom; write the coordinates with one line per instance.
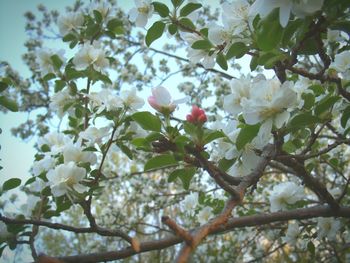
(66, 177)
(240, 89)
(235, 19)
(38, 185)
(29, 207)
(43, 58)
(105, 100)
(56, 141)
(341, 62)
(70, 22)
(94, 135)
(190, 202)
(270, 101)
(137, 130)
(131, 100)
(292, 233)
(162, 101)
(299, 8)
(141, 13)
(284, 194)
(75, 153)
(43, 165)
(91, 55)
(59, 100)
(198, 55)
(204, 215)
(104, 8)
(328, 227)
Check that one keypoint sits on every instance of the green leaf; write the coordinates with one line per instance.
(71, 73)
(69, 38)
(343, 25)
(172, 28)
(62, 204)
(49, 76)
(210, 135)
(30, 180)
(225, 164)
(154, 136)
(147, 121)
(177, 3)
(9, 104)
(302, 120)
(246, 135)
(185, 175)
(161, 9)
(317, 89)
(154, 32)
(269, 59)
(98, 16)
(189, 8)
(115, 26)
(345, 117)
(269, 35)
(190, 128)
(308, 47)
(325, 104)
(59, 85)
(3, 86)
(309, 100)
(254, 63)
(125, 150)
(289, 147)
(186, 25)
(201, 44)
(289, 32)
(57, 62)
(92, 30)
(141, 143)
(221, 60)
(11, 183)
(160, 161)
(311, 248)
(237, 50)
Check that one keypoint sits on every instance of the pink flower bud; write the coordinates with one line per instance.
(197, 115)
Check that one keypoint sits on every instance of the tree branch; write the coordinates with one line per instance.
(245, 221)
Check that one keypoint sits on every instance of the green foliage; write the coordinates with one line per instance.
(246, 135)
(185, 175)
(11, 184)
(160, 161)
(161, 9)
(8, 103)
(189, 8)
(202, 44)
(147, 121)
(221, 60)
(154, 32)
(237, 50)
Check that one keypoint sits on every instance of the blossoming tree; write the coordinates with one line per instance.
(258, 170)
